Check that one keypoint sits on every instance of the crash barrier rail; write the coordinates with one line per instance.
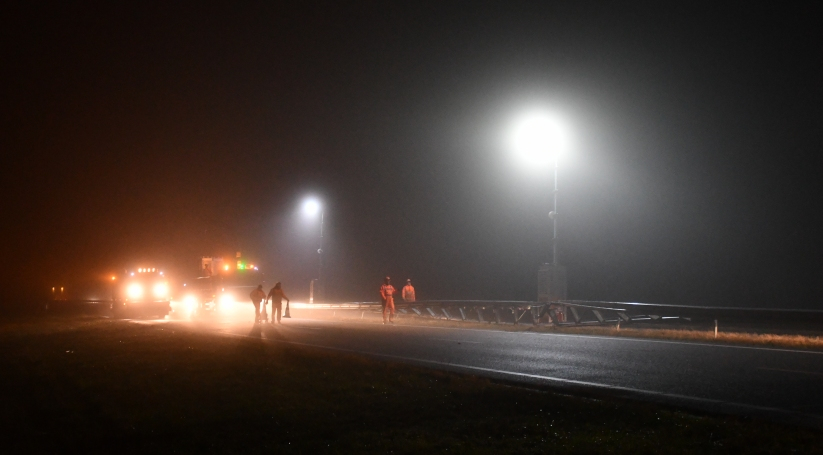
(563, 312)
(511, 312)
(586, 312)
(335, 306)
(611, 312)
(77, 305)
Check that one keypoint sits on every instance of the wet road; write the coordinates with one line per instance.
(781, 384)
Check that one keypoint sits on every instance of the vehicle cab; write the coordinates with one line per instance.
(143, 291)
(222, 287)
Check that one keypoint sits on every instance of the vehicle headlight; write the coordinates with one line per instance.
(161, 290)
(134, 291)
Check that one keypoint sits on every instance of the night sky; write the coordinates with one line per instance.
(162, 132)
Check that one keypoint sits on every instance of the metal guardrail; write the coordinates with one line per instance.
(563, 312)
(634, 311)
(582, 312)
(460, 310)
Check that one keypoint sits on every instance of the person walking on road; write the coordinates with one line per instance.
(256, 297)
(408, 292)
(276, 295)
(387, 299)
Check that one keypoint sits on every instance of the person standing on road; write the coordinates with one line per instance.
(256, 297)
(387, 299)
(276, 295)
(408, 292)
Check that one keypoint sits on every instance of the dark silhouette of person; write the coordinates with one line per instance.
(256, 297)
(277, 295)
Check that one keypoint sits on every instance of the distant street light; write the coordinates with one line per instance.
(539, 139)
(311, 207)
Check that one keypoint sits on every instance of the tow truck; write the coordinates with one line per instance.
(142, 292)
(221, 286)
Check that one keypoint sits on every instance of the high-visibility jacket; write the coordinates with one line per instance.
(387, 292)
(408, 293)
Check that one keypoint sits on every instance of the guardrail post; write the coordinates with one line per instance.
(574, 313)
(462, 313)
(496, 314)
(479, 314)
(416, 311)
(446, 312)
(431, 312)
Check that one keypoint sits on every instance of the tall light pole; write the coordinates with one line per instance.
(312, 207)
(320, 253)
(539, 138)
(553, 216)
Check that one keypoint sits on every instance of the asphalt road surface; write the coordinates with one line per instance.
(779, 384)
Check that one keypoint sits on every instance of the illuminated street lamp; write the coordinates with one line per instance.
(312, 207)
(539, 139)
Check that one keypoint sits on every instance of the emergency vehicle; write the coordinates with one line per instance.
(221, 286)
(143, 291)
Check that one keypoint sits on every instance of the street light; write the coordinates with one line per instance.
(539, 139)
(311, 207)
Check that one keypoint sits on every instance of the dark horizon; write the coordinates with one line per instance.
(162, 133)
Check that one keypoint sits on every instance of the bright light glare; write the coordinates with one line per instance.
(190, 302)
(226, 303)
(134, 291)
(538, 138)
(161, 290)
(311, 207)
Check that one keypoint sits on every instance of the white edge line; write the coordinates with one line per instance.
(546, 378)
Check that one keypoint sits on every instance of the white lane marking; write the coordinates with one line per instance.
(456, 341)
(570, 335)
(790, 371)
(553, 379)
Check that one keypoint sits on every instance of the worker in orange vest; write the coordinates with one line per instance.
(408, 292)
(387, 299)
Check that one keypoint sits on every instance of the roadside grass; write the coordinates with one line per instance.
(96, 385)
(684, 334)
